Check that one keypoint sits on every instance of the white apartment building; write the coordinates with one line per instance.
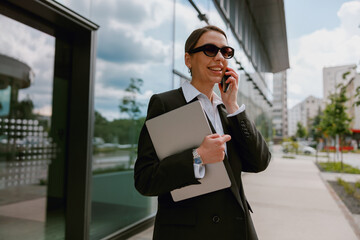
(295, 115)
(304, 112)
(353, 111)
(349, 77)
(333, 76)
(280, 112)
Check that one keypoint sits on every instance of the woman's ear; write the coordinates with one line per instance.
(188, 60)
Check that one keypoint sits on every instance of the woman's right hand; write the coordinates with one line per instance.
(212, 148)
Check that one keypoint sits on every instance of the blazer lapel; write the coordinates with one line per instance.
(233, 161)
(234, 188)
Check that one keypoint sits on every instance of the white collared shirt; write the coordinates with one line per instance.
(210, 108)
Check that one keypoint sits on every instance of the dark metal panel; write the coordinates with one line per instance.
(25, 16)
(55, 13)
(265, 18)
(80, 135)
(47, 16)
(136, 228)
(269, 16)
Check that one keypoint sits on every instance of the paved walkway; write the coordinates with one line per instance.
(291, 201)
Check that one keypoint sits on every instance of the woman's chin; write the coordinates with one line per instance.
(217, 80)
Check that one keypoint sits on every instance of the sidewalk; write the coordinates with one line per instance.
(291, 201)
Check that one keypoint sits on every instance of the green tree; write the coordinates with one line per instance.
(129, 103)
(301, 130)
(117, 130)
(335, 121)
(99, 119)
(132, 107)
(23, 109)
(357, 102)
(315, 130)
(357, 90)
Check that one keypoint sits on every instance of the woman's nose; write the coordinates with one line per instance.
(219, 56)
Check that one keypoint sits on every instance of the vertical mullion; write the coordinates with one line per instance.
(80, 134)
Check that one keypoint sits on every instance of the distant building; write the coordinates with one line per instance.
(349, 77)
(14, 76)
(352, 109)
(280, 111)
(333, 76)
(296, 114)
(304, 112)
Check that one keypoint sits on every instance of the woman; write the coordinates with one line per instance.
(223, 214)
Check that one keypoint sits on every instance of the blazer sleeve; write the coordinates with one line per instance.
(154, 177)
(252, 147)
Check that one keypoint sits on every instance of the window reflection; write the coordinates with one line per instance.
(133, 62)
(26, 147)
(135, 41)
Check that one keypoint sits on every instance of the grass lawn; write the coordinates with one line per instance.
(336, 167)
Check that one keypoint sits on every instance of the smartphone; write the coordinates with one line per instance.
(224, 85)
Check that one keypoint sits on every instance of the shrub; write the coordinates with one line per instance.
(357, 195)
(117, 168)
(336, 167)
(357, 184)
(42, 182)
(347, 186)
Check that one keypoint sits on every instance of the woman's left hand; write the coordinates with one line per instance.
(229, 98)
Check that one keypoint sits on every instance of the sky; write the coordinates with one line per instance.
(135, 40)
(321, 33)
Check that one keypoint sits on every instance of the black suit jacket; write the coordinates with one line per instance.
(223, 214)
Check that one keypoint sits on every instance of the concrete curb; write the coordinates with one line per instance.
(348, 215)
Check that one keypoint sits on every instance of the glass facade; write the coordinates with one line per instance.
(140, 51)
(31, 185)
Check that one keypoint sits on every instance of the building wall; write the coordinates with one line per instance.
(349, 77)
(332, 76)
(142, 43)
(280, 112)
(304, 112)
(352, 109)
(296, 114)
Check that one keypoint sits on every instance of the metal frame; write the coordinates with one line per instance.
(80, 34)
(133, 229)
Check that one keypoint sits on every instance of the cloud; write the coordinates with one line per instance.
(323, 48)
(122, 45)
(44, 111)
(125, 33)
(108, 100)
(34, 48)
(135, 40)
(349, 14)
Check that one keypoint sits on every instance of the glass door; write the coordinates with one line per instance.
(31, 143)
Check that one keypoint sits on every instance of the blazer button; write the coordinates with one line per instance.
(216, 219)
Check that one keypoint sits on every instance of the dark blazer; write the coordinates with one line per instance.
(223, 214)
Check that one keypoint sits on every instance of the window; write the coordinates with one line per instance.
(39, 153)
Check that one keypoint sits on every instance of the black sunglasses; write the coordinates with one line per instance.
(211, 50)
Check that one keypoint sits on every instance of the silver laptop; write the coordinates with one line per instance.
(181, 129)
